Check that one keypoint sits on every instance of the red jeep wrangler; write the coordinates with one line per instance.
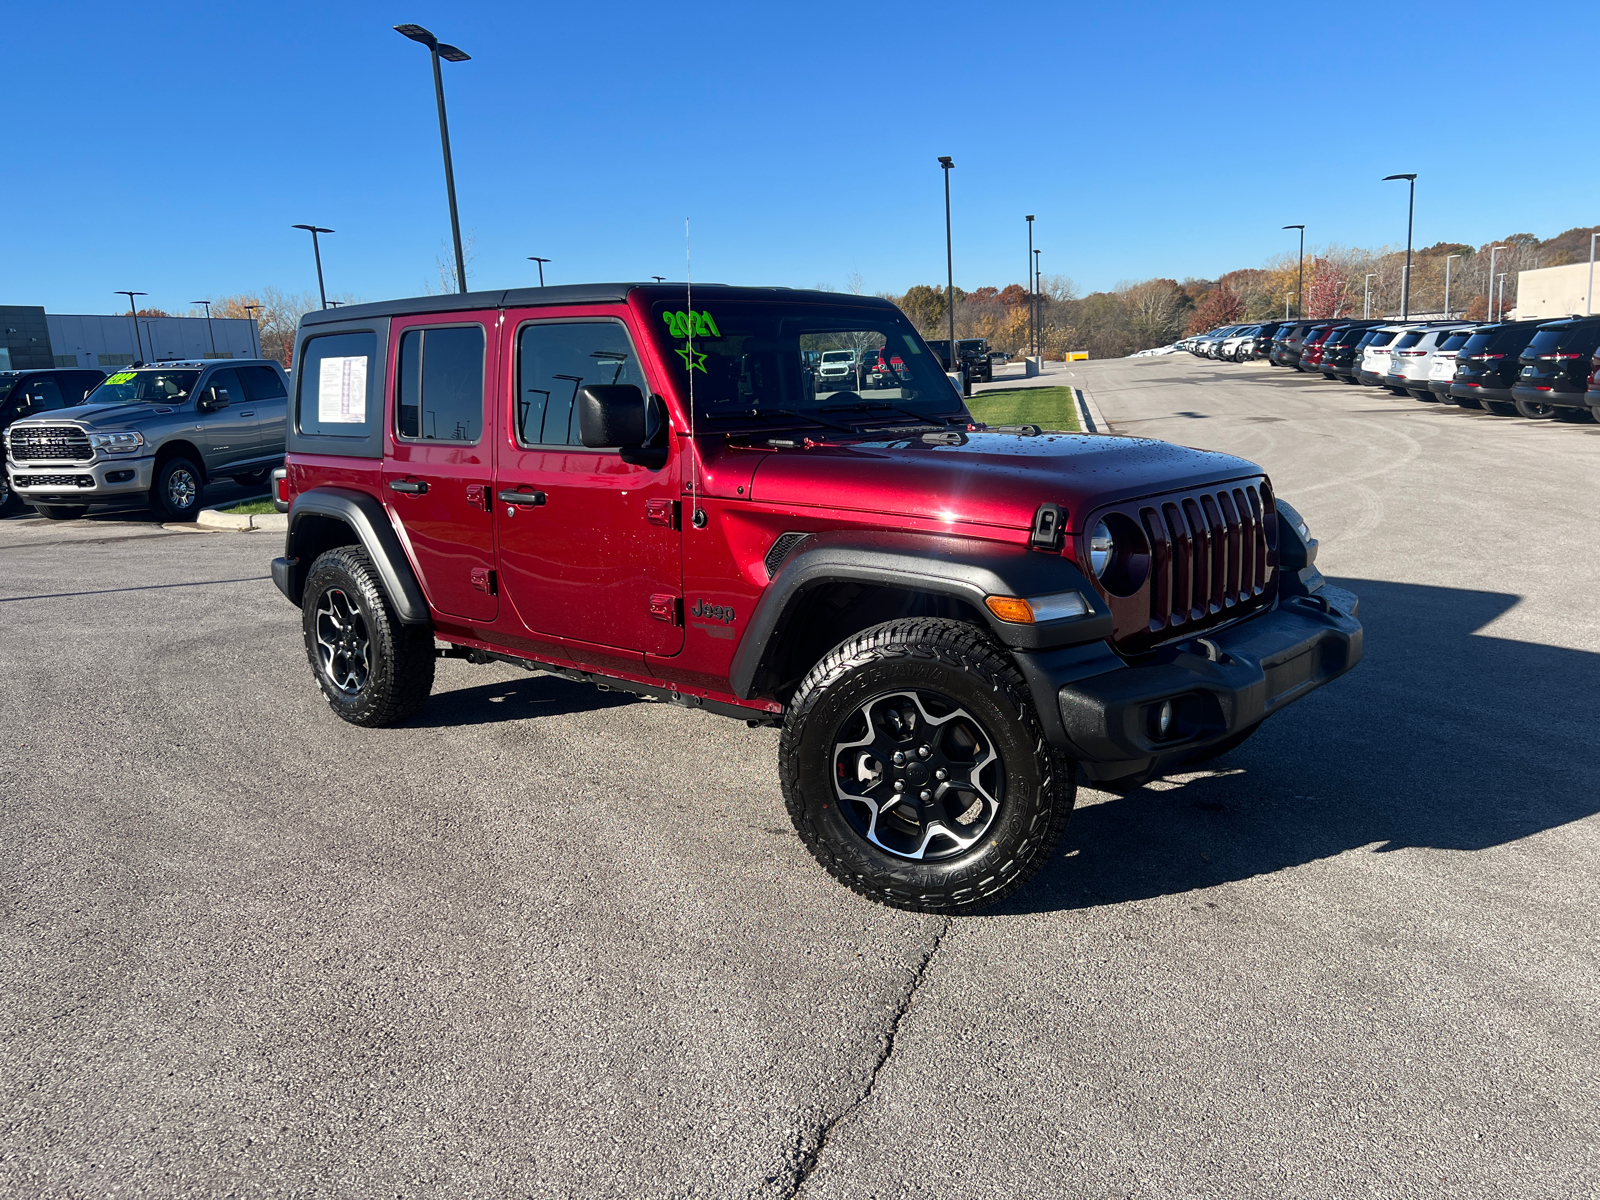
(653, 489)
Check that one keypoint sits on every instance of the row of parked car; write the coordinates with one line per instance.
(159, 432)
(1535, 369)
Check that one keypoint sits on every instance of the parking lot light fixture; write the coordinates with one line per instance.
(133, 316)
(1286, 296)
(449, 53)
(946, 163)
(1038, 307)
(1366, 299)
(1493, 251)
(209, 330)
(1033, 336)
(316, 249)
(255, 326)
(1502, 305)
(541, 261)
(1588, 306)
(1299, 301)
(1447, 259)
(1411, 208)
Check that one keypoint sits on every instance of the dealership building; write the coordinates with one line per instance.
(32, 339)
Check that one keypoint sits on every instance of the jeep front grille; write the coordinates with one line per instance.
(1209, 558)
(55, 481)
(32, 443)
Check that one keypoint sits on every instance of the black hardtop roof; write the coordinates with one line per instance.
(1563, 322)
(576, 293)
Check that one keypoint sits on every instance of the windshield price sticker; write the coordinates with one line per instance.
(121, 377)
(687, 324)
(342, 391)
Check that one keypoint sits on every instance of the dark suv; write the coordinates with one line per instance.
(1289, 342)
(29, 393)
(649, 490)
(1341, 353)
(1486, 366)
(1554, 369)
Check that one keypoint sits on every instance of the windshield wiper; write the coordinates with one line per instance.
(863, 407)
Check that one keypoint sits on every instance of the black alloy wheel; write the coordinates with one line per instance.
(176, 493)
(914, 768)
(372, 669)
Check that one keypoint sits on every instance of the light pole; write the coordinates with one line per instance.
(1411, 207)
(1447, 259)
(1366, 299)
(1502, 295)
(947, 163)
(1286, 296)
(255, 326)
(450, 54)
(1033, 336)
(1299, 296)
(1038, 307)
(1493, 250)
(541, 262)
(212, 332)
(133, 316)
(1589, 305)
(316, 248)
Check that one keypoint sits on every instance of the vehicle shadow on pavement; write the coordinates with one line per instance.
(537, 695)
(1443, 738)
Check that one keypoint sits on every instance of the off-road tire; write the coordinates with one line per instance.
(178, 490)
(61, 512)
(399, 658)
(962, 662)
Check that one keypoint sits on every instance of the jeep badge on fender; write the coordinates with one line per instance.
(942, 659)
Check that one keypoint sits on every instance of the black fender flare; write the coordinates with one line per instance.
(364, 516)
(965, 568)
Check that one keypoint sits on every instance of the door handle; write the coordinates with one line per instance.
(249, 413)
(526, 499)
(411, 487)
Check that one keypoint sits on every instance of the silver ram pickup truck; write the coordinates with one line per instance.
(161, 431)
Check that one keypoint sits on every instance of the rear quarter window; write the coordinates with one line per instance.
(338, 381)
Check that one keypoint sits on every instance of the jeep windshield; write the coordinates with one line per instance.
(757, 364)
(144, 387)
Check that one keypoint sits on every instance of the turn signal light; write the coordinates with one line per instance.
(1018, 611)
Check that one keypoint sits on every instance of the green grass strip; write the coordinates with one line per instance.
(250, 508)
(1053, 408)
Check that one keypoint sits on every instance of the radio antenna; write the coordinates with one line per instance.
(694, 446)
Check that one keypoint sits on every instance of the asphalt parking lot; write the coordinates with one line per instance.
(547, 941)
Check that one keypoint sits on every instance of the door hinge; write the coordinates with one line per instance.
(483, 580)
(662, 512)
(666, 607)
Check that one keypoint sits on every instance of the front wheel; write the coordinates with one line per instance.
(373, 670)
(914, 768)
(176, 491)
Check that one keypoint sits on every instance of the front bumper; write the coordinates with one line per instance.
(55, 483)
(1218, 684)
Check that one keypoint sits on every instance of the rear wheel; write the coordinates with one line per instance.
(1533, 411)
(1500, 407)
(61, 512)
(1428, 396)
(1465, 401)
(177, 490)
(915, 770)
(373, 669)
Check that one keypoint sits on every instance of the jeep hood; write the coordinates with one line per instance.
(995, 479)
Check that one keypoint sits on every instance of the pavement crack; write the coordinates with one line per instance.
(810, 1149)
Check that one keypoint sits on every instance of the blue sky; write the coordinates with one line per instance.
(169, 147)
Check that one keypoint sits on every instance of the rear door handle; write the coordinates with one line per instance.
(250, 413)
(526, 499)
(411, 487)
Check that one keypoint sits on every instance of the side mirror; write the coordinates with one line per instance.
(213, 398)
(611, 415)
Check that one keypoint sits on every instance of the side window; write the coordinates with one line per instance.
(333, 385)
(261, 383)
(439, 394)
(554, 362)
(227, 384)
(46, 395)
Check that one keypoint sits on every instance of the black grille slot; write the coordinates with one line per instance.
(34, 443)
(780, 551)
(75, 481)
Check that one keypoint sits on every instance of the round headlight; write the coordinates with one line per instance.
(1100, 549)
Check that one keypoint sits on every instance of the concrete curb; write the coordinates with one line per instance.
(1094, 420)
(210, 518)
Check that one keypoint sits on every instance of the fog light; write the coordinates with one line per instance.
(1164, 719)
(118, 476)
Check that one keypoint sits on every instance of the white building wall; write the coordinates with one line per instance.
(96, 341)
(1552, 292)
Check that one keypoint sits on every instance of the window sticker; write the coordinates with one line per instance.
(689, 325)
(121, 377)
(342, 391)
